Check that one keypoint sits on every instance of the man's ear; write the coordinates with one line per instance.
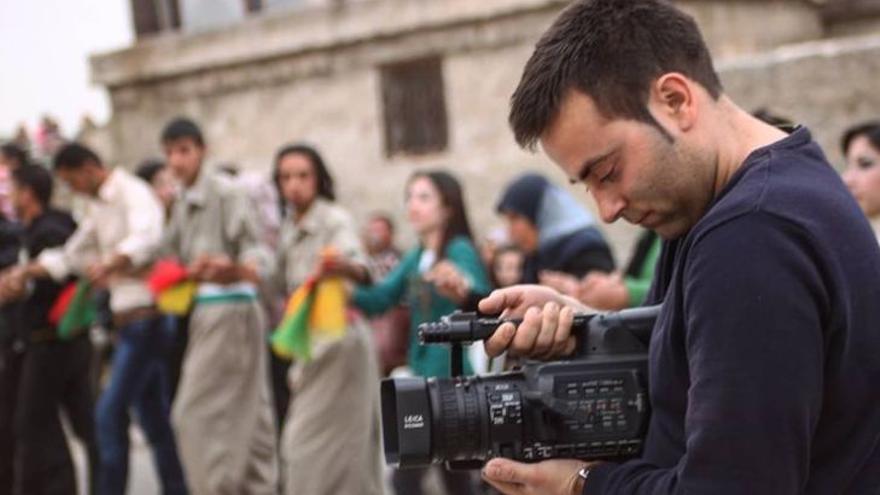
(673, 100)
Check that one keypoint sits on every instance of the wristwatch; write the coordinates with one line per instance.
(583, 473)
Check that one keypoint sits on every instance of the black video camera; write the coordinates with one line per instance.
(593, 406)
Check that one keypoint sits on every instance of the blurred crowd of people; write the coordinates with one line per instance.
(221, 412)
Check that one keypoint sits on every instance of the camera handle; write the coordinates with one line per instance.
(456, 359)
(628, 330)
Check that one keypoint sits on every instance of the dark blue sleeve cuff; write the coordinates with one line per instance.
(595, 484)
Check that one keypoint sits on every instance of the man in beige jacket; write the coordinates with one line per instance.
(222, 413)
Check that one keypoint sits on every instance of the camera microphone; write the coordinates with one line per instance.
(467, 327)
(471, 327)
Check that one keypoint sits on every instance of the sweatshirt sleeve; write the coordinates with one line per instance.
(243, 227)
(754, 303)
(378, 298)
(464, 256)
(80, 249)
(144, 219)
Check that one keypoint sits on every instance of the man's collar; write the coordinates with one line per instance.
(198, 193)
(313, 218)
(107, 190)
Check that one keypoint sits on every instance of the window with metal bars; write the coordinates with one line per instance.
(414, 107)
(154, 16)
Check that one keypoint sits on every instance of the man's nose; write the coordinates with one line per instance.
(611, 205)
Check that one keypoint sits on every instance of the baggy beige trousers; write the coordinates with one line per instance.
(222, 414)
(331, 444)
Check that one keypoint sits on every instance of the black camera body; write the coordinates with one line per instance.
(593, 406)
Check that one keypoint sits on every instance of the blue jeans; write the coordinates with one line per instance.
(137, 381)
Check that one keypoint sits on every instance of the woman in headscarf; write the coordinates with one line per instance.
(554, 231)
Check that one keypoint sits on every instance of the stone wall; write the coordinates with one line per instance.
(313, 76)
(827, 85)
(736, 27)
(325, 90)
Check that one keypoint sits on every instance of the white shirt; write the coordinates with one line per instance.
(125, 218)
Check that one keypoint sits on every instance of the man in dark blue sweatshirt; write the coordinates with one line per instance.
(764, 362)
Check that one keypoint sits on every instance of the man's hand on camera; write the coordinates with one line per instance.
(545, 331)
(553, 477)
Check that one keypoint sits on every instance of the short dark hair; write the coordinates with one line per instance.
(75, 155)
(870, 130)
(15, 152)
(148, 169)
(610, 50)
(181, 128)
(37, 179)
(325, 180)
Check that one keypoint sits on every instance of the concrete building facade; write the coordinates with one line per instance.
(385, 87)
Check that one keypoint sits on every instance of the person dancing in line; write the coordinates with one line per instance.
(333, 417)
(443, 272)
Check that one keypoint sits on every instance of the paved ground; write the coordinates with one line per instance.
(141, 475)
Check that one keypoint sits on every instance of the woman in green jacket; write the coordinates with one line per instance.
(434, 278)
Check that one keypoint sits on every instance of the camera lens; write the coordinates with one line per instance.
(406, 422)
(430, 420)
(458, 432)
(433, 420)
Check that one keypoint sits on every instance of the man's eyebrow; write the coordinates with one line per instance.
(588, 165)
